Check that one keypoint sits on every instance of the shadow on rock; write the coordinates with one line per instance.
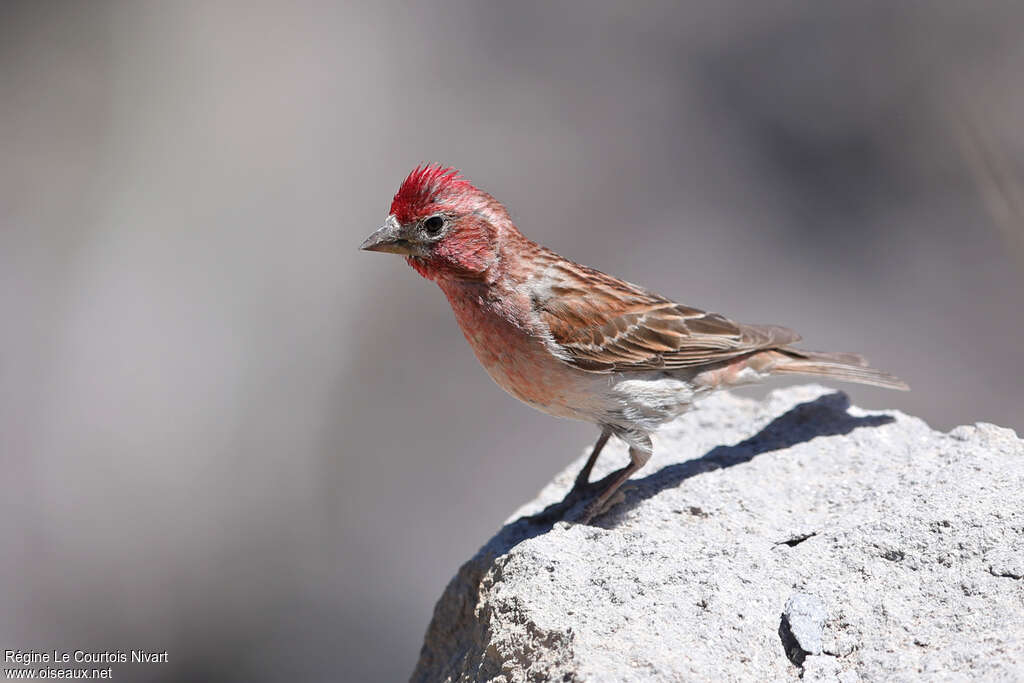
(824, 416)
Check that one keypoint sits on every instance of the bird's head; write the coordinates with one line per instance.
(445, 227)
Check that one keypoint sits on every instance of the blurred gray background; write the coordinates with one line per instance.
(228, 434)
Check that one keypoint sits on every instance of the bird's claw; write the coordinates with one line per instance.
(594, 510)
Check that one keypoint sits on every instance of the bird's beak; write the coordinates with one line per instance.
(387, 239)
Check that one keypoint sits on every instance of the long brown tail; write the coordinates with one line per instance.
(850, 367)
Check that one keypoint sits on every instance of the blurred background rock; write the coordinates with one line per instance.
(228, 434)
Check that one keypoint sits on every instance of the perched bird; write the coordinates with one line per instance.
(574, 342)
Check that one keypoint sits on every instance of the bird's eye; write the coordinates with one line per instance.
(433, 225)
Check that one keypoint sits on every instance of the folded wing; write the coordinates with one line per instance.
(603, 324)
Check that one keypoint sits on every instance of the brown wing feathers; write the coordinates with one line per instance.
(605, 324)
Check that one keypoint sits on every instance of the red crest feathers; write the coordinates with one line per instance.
(424, 186)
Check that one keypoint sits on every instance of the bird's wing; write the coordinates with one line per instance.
(602, 324)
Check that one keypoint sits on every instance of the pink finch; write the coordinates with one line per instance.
(574, 342)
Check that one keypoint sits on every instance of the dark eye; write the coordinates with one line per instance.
(433, 225)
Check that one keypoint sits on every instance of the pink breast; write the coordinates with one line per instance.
(515, 359)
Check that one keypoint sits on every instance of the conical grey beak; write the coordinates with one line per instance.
(387, 239)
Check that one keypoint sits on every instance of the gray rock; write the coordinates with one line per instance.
(889, 551)
(801, 626)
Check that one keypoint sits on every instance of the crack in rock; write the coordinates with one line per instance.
(1005, 574)
(798, 539)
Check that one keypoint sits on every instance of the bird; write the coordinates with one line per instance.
(574, 342)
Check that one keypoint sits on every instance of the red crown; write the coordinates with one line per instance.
(424, 186)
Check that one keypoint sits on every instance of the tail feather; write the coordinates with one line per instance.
(850, 367)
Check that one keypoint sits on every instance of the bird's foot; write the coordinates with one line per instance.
(581, 490)
(597, 508)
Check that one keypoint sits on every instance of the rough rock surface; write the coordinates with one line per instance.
(795, 537)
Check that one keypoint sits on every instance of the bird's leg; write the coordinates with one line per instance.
(637, 459)
(580, 487)
(583, 478)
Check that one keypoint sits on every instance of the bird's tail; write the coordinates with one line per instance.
(850, 367)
